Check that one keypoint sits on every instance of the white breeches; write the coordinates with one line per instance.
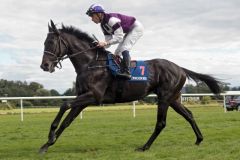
(130, 38)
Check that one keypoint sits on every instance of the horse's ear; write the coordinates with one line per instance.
(54, 28)
(49, 28)
(52, 24)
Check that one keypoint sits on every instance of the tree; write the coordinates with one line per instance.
(35, 86)
(235, 88)
(71, 91)
(201, 87)
(189, 88)
(54, 92)
(43, 92)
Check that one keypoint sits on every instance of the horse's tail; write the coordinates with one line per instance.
(210, 81)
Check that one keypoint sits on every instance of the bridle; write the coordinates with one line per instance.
(61, 57)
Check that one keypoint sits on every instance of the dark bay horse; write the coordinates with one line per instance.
(97, 86)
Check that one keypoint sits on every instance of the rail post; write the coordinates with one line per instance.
(21, 103)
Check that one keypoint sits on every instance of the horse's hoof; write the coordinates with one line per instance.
(43, 149)
(140, 149)
(198, 141)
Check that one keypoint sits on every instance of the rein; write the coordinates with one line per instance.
(77, 53)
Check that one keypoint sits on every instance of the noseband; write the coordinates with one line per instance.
(58, 59)
(61, 57)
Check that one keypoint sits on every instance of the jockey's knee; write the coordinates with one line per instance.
(126, 54)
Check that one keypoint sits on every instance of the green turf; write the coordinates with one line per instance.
(110, 134)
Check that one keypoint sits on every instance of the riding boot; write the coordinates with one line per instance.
(126, 65)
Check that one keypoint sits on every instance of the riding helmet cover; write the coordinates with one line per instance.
(95, 8)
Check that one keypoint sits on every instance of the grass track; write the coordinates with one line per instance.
(105, 134)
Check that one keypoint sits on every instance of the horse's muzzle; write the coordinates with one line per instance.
(46, 67)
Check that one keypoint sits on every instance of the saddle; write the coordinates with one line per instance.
(139, 70)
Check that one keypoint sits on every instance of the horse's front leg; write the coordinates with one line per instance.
(77, 106)
(54, 125)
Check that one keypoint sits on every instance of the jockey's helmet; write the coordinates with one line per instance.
(95, 8)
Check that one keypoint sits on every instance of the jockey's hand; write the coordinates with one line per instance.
(102, 44)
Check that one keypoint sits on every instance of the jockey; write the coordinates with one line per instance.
(117, 29)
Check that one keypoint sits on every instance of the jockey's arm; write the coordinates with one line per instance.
(108, 38)
(117, 36)
(112, 39)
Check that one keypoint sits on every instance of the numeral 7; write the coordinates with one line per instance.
(142, 69)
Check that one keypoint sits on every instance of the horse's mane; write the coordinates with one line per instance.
(81, 35)
(78, 33)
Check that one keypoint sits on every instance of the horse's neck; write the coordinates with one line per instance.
(81, 60)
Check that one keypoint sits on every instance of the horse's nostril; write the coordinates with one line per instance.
(46, 65)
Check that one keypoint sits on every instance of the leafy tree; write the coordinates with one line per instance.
(236, 88)
(71, 91)
(23, 89)
(201, 87)
(35, 86)
(54, 92)
(55, 102)
(43, 92)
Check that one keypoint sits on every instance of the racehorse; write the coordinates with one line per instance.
(96, 85)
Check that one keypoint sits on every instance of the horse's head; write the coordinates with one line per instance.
(55, 47)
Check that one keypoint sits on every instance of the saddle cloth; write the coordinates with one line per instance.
(139, 70)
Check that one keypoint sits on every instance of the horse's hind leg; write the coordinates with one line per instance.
(187, 114)
(74, 112)
(161, 123)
